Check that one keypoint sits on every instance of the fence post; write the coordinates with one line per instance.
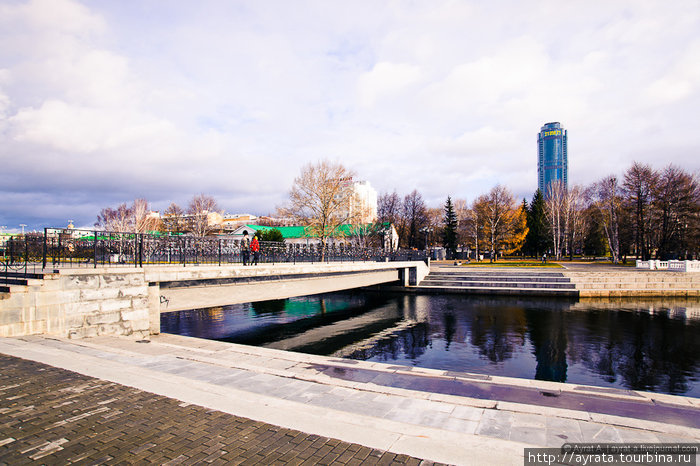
(94, 248)
(43, 261)
(220, 252)
(140, 250)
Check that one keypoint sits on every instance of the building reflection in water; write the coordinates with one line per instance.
(638, 344)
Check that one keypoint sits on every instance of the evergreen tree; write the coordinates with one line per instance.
(594, 243)
(270, 235)
(449, 234)
(538, 240)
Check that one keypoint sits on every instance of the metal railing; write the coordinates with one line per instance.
(71, 248)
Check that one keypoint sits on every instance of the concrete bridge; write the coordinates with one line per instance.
(78, 303)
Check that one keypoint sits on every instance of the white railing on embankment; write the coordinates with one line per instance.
(673, 266)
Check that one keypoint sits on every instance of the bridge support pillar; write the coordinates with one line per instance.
(408, 276)
(154, 308)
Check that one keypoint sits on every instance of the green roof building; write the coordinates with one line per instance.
(346, 233)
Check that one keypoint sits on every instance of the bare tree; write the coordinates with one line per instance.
(142, 217)
(137, 218)
(199, 211)
(462, 210)
(576, 220)
(605, 196)
(321, 199)
(475, 224)
(678, 212)
(389, 208)
(564, 211)
(556, 211)
(118, 219)
(639, 185)
(174, 219)
(415, 219)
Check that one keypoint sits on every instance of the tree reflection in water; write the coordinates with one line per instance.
(641, 344)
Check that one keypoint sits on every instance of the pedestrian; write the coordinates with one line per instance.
(255, 247)
(245, 248)
(544, 258)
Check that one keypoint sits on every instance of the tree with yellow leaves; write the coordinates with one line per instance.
(503, 221)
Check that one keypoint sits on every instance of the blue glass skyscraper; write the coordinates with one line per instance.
(552, 156)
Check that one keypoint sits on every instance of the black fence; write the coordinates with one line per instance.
(60, 248)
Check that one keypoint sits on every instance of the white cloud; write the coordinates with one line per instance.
(681, 80)
(109, 101)
(387, 80)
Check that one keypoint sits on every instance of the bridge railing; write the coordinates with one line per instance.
(72, 248)
(672, 265)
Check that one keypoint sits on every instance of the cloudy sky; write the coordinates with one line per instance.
(104, 101)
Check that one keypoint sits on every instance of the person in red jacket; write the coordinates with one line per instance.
(255, 247)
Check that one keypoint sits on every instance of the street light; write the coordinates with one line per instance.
(22, 225)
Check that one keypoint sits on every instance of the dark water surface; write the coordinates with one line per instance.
(651, 345)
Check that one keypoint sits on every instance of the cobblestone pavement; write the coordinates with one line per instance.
(54, 416)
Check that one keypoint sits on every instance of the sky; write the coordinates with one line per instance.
(105, 101)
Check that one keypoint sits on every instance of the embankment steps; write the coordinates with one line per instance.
(618, 283)
(461, 280)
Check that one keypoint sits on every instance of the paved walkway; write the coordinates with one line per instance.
(397, 409)
(54, 416)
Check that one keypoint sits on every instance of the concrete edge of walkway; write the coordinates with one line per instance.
(198, 344)
(199, 349)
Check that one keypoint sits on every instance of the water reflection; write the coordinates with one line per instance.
(639, 344)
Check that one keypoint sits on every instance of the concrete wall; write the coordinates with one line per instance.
(79, 303)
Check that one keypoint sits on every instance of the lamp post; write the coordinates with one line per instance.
(23, 225)
(427, 232)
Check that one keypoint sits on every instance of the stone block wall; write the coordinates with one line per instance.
(77, 304)
(635, 283)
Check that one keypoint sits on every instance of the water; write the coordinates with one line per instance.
(651, 345)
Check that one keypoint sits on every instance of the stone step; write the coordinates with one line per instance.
(509, 278)
(496, 284)
(14, 281)
(4, 289)
(499, 273)
(11, 274)
(500, 290)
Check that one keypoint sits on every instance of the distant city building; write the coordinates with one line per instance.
(366, 201)
(230, 222)
(363, 207)
(552, 156)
